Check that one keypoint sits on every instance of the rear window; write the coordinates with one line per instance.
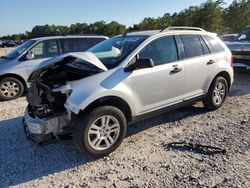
(213, 44)
(79, 44)
(192, 45)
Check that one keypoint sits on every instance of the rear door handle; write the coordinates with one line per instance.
(210, 62)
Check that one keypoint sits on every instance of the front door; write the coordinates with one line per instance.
(163, 84)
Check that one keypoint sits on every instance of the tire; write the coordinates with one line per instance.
(10, 88)
(217, 94)
(91, 138)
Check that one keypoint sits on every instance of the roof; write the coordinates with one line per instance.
(172, 30)
(144, 33)
(70, 36)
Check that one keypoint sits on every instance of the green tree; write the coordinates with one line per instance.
(97, 27)
(210, 16)
(148, 24)
(237, 15)
(186, 17)
(79, 28)
(114, 28)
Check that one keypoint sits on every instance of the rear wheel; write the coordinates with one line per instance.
(10, 88)
(101, 131)
(216, 94)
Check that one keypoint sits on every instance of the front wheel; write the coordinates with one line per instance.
(10, 88)
(101, 131)
(216, 94)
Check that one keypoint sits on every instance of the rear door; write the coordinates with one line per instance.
(200, 65)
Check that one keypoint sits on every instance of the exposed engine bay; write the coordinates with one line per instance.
(43, 101)
(46, 118)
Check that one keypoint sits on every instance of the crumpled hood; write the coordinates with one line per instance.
(88, 57)
(238, 46)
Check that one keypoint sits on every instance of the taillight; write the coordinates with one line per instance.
(232, 61)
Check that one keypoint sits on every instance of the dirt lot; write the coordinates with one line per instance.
(145, 158)
(3, 51)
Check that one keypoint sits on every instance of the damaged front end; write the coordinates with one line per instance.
(46, 117)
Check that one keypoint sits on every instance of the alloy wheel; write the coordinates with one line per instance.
(219, 93)
(104, 132)
(9, 89)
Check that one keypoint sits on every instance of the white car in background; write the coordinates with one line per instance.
(16, 66)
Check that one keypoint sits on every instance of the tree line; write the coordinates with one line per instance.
(210, 16)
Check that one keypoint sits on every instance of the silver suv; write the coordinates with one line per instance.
(93, 96)
(16, 66)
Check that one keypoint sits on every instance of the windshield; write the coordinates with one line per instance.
(244, 35)
(19, 50)
(112, 51)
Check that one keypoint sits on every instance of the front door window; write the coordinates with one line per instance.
(161, 51)
(45, 49)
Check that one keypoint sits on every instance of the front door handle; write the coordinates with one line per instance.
(210, 62)
(176, 69)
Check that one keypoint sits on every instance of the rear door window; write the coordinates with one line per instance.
(213, 44)
(192, 45)
(74, 45)
(79, 44)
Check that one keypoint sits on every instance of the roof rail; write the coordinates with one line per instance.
(183, 28)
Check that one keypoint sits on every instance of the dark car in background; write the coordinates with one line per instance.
(240, 49)
(8, 43)
(229, 37)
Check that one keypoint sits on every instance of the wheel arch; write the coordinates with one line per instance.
(225, 75)
(111, 101)
(15, 76)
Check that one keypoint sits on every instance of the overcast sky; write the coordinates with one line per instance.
(18, 16)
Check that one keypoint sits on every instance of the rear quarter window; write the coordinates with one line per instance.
(204, 46)
(213, 44)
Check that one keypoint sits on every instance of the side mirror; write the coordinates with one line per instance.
(140, 64)
(30, 56)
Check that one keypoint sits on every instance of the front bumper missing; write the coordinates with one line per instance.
(46, 129)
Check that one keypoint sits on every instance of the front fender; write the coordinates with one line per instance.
(105, 84)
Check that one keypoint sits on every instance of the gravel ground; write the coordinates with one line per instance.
(145, 158)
